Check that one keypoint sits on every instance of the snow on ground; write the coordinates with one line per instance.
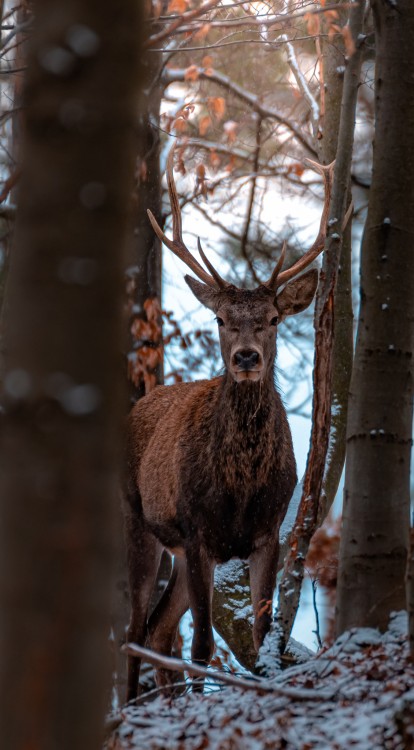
(362, 698)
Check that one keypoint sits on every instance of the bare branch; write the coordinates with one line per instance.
(179, 21)
(302, 84)
(171, 75)
(259, 20)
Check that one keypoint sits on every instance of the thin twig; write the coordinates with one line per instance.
(302, 84)
(315, 609)
(260, 19)
(179, 21)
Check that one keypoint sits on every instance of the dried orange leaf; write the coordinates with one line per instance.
(191, 74)
(348, 40)
(331, 15)
(217, 105)
(214, 159)
(313, 24)
(204, 124)
(202, 32)
(230, 129)
(180, 125)
(177, 6)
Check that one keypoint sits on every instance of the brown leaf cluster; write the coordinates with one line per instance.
(147, 336)
(322, 558)
(330, 19)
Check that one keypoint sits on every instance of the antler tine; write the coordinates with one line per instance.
(277, 279)
(273, 279)
(216, 276)
(176, 244)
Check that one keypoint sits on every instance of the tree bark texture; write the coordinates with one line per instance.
(61, 426)
(143, 282)
(374, 542)
(333, 77)
(144, 253)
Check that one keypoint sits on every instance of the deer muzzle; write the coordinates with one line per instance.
(247, 364)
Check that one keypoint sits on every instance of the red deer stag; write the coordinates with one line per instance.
(211, 468)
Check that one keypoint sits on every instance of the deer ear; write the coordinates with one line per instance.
(298, 294)
(207, 296)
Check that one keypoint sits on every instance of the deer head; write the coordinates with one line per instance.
(248, 319)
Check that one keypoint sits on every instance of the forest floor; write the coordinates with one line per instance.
(356, 695)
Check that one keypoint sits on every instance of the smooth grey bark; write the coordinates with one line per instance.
(374, 541)
(61, 425)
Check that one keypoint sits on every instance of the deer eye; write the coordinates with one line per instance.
(273, 322)
(220, 322)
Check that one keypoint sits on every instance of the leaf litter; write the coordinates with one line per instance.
(370, 679)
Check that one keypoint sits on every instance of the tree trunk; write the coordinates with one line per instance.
(144, 282)
(374, 542)
(61, 424)
(143, 247)
(231, 583)
(333, 75)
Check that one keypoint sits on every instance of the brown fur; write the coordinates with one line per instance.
(211, 473)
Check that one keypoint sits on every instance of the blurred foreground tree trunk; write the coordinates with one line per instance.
(374, 541)
(60, 435)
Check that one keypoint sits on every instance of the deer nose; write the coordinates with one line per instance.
(246, 359)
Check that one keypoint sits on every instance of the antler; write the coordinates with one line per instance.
(176, 244)
(277, 278)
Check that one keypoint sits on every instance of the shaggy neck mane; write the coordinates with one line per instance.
(245, 410)
(244, 435)
(247, 405)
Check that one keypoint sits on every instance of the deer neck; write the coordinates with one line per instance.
(244, 435)
(246, 406)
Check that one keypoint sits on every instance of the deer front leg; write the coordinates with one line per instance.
(200, 574)
(163, 623)
(263, 570)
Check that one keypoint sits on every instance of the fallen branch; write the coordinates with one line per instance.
(253, 683)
